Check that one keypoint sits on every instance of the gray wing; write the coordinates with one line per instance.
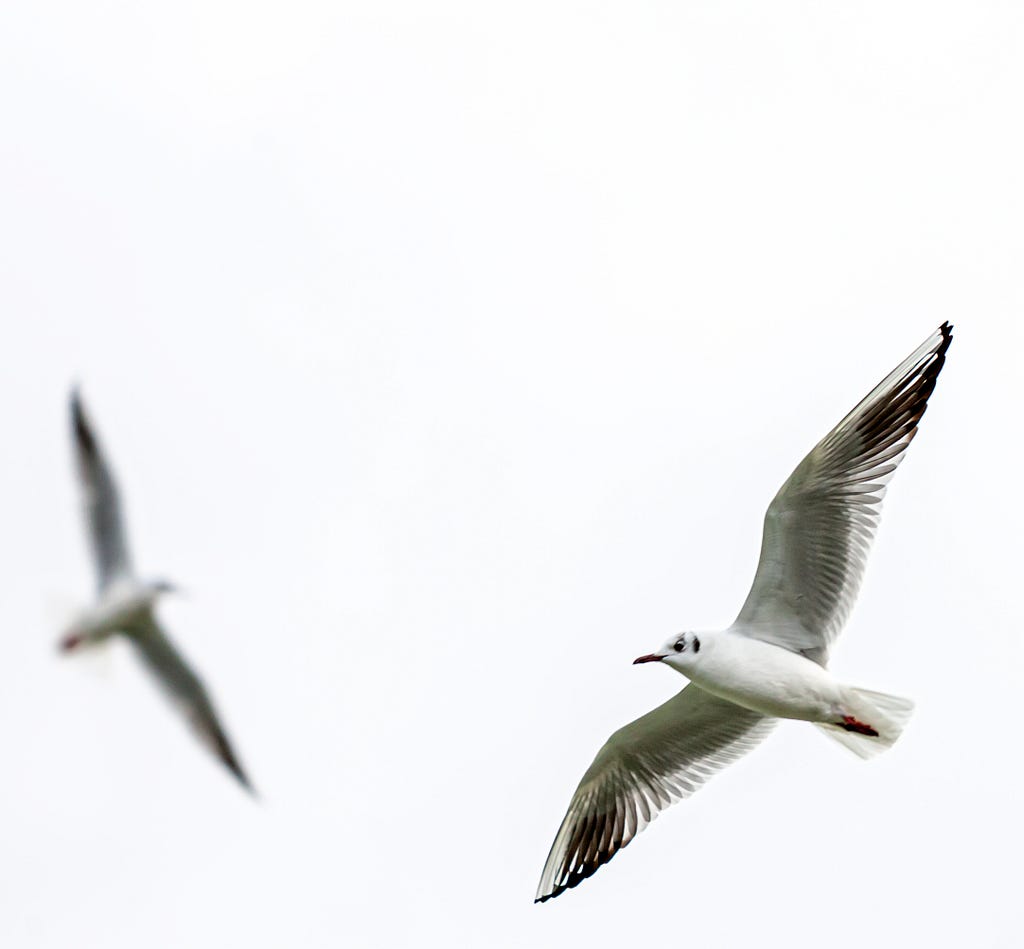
(186, 691)
(100, 500)
(821, 523)
(643, 768)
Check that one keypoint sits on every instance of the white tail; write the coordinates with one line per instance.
(886, 714)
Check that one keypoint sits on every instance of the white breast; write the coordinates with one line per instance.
(764, 678)
(118, 608)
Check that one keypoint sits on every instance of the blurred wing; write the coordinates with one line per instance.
(642, 769)
(101, 502)
(186, 691)
(821, 523)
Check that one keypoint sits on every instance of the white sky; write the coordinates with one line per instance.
(448, 356)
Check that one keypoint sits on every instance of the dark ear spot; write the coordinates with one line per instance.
(696, 644)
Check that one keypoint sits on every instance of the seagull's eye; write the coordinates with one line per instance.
(680, 645)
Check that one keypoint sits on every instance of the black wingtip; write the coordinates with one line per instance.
(231, 762)
(228, 758)
(247, 785)
(75, 401)
(79, 423)
(940, 355)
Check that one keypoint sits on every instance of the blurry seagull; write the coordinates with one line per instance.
(770, 663)
(125, 603)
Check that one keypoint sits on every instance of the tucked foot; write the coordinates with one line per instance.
(852, 725)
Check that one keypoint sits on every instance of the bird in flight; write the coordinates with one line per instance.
(125, 604)
(772, 662)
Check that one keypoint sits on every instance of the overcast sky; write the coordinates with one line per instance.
(448, 357)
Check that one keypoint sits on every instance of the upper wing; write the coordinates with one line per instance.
(821, 523)
(642, 769)
(186, 690)
(101, 501)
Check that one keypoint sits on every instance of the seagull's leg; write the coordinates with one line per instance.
(852, 725)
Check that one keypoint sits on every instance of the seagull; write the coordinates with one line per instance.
(125, 604)
(771, 663)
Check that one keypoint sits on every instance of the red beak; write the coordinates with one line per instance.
(653, 657)
(70, 642)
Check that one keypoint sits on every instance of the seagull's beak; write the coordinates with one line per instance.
(69, 642)
(652, 657)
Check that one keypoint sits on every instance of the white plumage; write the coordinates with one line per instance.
(771, 663)
(125, 604)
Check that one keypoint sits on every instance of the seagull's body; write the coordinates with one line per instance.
(125, 605)
(762, 677)
(771, 663)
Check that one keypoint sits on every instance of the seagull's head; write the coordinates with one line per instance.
(680, 652)
(90, 628)
(119, 608)
(78, 633)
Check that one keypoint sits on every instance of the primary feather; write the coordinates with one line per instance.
(819, 527)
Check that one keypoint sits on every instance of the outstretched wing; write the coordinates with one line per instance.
(821, 523)
(186, 691)
(642, 769)
(100, 500)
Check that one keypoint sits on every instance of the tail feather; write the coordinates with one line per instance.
(886, 714)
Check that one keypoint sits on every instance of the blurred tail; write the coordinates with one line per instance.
(871, 723)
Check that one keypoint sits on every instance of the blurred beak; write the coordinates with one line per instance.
(69, 642)
(653, 657)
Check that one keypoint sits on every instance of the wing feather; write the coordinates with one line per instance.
(186, 690)
(819, 527)
(643, 768)
(100, 500)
